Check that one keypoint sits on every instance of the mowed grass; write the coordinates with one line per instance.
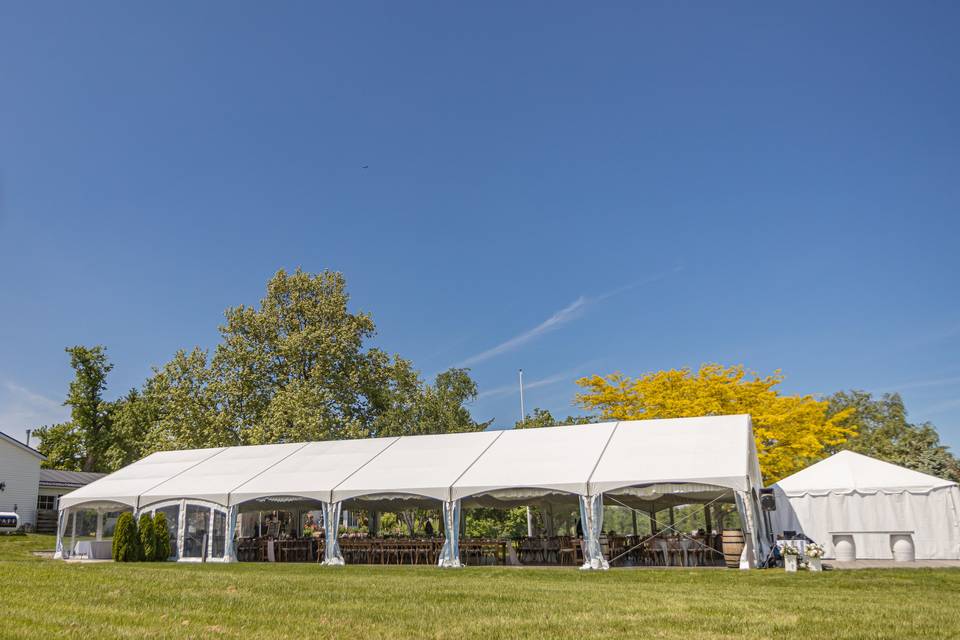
(41, 598)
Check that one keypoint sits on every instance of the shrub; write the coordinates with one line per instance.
(161, 544)
(126, 542)
(148, 543)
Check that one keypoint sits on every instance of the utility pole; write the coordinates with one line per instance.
(523, 419)
(523, 412)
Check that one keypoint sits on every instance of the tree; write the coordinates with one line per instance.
(296, 368)
(62, 444)
(126, 540)
(884, 432)
(181, 406)
(132, 418)
(543, 418)
(790, 431)
(147, 535)
(82, 443)
(161, 544)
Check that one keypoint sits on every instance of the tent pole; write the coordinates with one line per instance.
(634, 513)
(671, 517)
(73, 533)
(653, 522)
(708, 522)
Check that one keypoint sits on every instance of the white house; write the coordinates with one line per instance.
(19, 478)
(32, 492)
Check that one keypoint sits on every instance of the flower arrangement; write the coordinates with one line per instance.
(814, 550)
(790, 550)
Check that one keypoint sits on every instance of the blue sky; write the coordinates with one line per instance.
(565, 187)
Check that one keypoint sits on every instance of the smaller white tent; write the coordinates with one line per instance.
(849, 492)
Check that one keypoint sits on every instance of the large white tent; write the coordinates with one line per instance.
(644, 464)
(850, 494)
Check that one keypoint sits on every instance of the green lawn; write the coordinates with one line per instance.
(43, 598)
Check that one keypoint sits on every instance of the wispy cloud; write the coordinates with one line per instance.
(558, 319)
(942, 406)
(569, 313)
(22, 408)
(920, 384)
(509, 389)
(565, 376)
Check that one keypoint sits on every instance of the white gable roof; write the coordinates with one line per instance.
(312, 472)
(847, 471)
(579, 460)
(418, 465)
(717, 450)
(128, 484)
(220, 474)
(553, 458)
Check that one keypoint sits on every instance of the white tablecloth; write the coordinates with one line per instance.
(94, 549)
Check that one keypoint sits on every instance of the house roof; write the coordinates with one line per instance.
(72, 479)
(5, 438)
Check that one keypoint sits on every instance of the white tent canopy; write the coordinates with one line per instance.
(716, 451)
(425, 466)
(127, 485)
(852, 493)
(712, 455)
(313, 471)
(525, 459)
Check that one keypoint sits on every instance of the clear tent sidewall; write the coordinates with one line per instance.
(584, 461)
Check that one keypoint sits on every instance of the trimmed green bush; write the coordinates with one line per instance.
(161, 543)
(148, 543)
(126, 542)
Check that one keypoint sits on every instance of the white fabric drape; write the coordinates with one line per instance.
(450, 552)
(549, 525)
(331, 526)
(753, 548)
(229, 547)
(62, 519)
(181, 528)
(591, 520)
(73, 534)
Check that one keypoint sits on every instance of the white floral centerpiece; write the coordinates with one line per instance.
(790, 557)
(814, 553)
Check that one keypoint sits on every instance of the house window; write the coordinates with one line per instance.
(46, 502)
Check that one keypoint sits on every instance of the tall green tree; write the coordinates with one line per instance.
(82, 444)
(182, 408)
(884, 432)
(543, 418)
(296, 368)
(442, 406)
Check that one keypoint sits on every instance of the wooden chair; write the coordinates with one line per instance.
(567, 549)
(675, 549)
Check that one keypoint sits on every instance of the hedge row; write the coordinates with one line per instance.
(148, 542)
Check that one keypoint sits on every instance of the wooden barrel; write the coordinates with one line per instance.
(732, 547)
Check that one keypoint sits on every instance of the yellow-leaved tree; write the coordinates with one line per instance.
(791, 431)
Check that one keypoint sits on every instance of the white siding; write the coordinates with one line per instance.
(20, 471)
